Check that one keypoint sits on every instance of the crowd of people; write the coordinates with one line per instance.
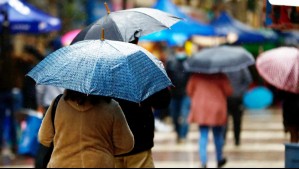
(207, 100)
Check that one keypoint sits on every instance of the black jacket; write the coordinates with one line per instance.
(290, 109)
(178, 76)
(141, 120)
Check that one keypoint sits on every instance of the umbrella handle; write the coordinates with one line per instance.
(107, 8)
(103, 34)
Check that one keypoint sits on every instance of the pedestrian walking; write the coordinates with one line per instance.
(180, 102)
(209, 94)
(290, 109)
(10, 101)
(140, 116)
(89, 131)
(89, 72)
(141, 120)
(240, 81)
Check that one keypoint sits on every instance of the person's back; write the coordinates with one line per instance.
(140, 118)
(141, 121)
(290, 109)
(86, 135)
(240, 81)
(180, 104)
(209, 94)
(178, 75)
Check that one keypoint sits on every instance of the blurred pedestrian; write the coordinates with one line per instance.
(89, 131)
(141, 120)
(180, 102)
(10, 101)
(240, 82)
(290, 111)
(31, 57)
(209, 94)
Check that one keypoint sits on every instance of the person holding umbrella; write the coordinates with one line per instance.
(87, 68)
(209, 88)
(290, 109)
(141, 120)
(240, 81)
(209, 94)
(140, 117)
(101, 131)
(180, 102)
(279, 68)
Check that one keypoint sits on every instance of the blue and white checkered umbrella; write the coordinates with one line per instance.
(106, 68)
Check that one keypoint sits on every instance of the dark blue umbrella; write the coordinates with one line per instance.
(225, 24)
(189, 26)
(25, 18)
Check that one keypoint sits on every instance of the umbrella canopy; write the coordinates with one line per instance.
(219, 59)
(258, 98)
(25, 18)
(68, 37)
(225, 24)
(106, 68)
(127, 25)
(280, 68)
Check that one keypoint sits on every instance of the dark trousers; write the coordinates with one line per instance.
(235, 110)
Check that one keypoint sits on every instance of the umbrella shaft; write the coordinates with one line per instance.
(125, 4)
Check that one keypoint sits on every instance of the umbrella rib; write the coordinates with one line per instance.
(115, 48)
(289, 75)
(135, 80)
(118, 31)
(123, 54)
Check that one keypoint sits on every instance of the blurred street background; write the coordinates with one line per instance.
(254, 25)
(262, 146)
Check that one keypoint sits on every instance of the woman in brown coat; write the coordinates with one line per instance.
(209, 94)
(89, 131)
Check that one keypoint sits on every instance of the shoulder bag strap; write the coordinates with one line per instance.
(56, 101)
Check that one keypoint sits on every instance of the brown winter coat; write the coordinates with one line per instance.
(209, 99)
(86, 136)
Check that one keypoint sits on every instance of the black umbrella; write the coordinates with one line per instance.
(128, 25)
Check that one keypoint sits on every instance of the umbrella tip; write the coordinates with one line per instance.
(107, 8)
(103, 35)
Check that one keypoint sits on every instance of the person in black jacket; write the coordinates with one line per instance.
(141, 120)
(180, 102)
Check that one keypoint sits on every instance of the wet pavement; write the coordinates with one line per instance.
(262, 146)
